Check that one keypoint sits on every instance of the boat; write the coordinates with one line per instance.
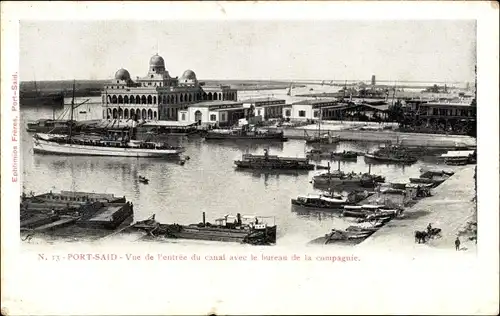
(345, 155)
(323, 201)
(459, 157)
(107, 145)
(369, 211)
(244, 132)
(38, 99)
(54, 125)
(326, 138)
(267, 161)
(392, 153)
(143, 180)
(50, 126)
(337, 177)
(344, 236)
(254, 230)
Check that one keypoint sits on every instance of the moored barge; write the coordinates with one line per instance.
(254, 230)
(267, 161)
(244, 133)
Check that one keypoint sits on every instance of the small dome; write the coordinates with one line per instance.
(122, 74)
(188, 75)
(157, 61)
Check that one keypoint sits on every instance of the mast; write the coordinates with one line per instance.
(72, 108)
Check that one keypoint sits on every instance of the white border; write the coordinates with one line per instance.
(382, 283)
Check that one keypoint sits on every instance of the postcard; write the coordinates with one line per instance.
(257, 158)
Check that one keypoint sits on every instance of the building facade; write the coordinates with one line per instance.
(157, 96)
(215, 113)
(265, 108)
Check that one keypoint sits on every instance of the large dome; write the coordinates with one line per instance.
(122, 74)
(188, 75)
(157, 61)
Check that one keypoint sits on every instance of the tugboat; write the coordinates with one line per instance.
(244, 132)
(143, 180)
(267, 161)
(254, 230)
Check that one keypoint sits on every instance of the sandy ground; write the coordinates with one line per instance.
(450, 208)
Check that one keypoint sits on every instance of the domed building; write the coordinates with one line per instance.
(157, 96)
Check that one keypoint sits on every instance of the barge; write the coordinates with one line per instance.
(329, 201)
(245, 133)
(345, 155)
(70, 213)
(267, 161)
(254, 230)
(339, 178)
(392, 154)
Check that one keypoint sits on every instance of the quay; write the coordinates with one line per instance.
(408, 139)
(450, 208)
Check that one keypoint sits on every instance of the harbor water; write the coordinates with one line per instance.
(208, 182)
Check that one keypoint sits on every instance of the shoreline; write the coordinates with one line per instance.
(450, 208)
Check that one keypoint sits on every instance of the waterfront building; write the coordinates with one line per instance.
(265, 108)
(157, 96)
(310, 109)
(214, 113)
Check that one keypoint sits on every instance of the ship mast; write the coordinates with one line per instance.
(71, 114)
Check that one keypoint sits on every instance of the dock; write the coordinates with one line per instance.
(438, 141)
(450, 207)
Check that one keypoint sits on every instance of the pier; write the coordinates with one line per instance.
(451, 206)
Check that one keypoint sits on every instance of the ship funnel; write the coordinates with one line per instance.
(238, 218)
(203, 218)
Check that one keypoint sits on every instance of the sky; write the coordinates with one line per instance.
(418, 50)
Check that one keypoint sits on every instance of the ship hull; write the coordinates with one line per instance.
(194, 232)
(48, 147)
(270, 165)
(389, 159)
(216, 136)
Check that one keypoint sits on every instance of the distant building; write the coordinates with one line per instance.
(157, 96)
(265, 108)
(215, 113)
(310, 109)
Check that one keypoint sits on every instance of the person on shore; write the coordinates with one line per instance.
(429, 228)
(457, 244)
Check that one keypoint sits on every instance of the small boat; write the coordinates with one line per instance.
(83, 112)
(344, 236)
(267, 161)
(143, 180)
(323, 201)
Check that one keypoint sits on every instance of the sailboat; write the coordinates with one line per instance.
(51, 126)
(117, 142)
(326, 138)
(289, 93)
